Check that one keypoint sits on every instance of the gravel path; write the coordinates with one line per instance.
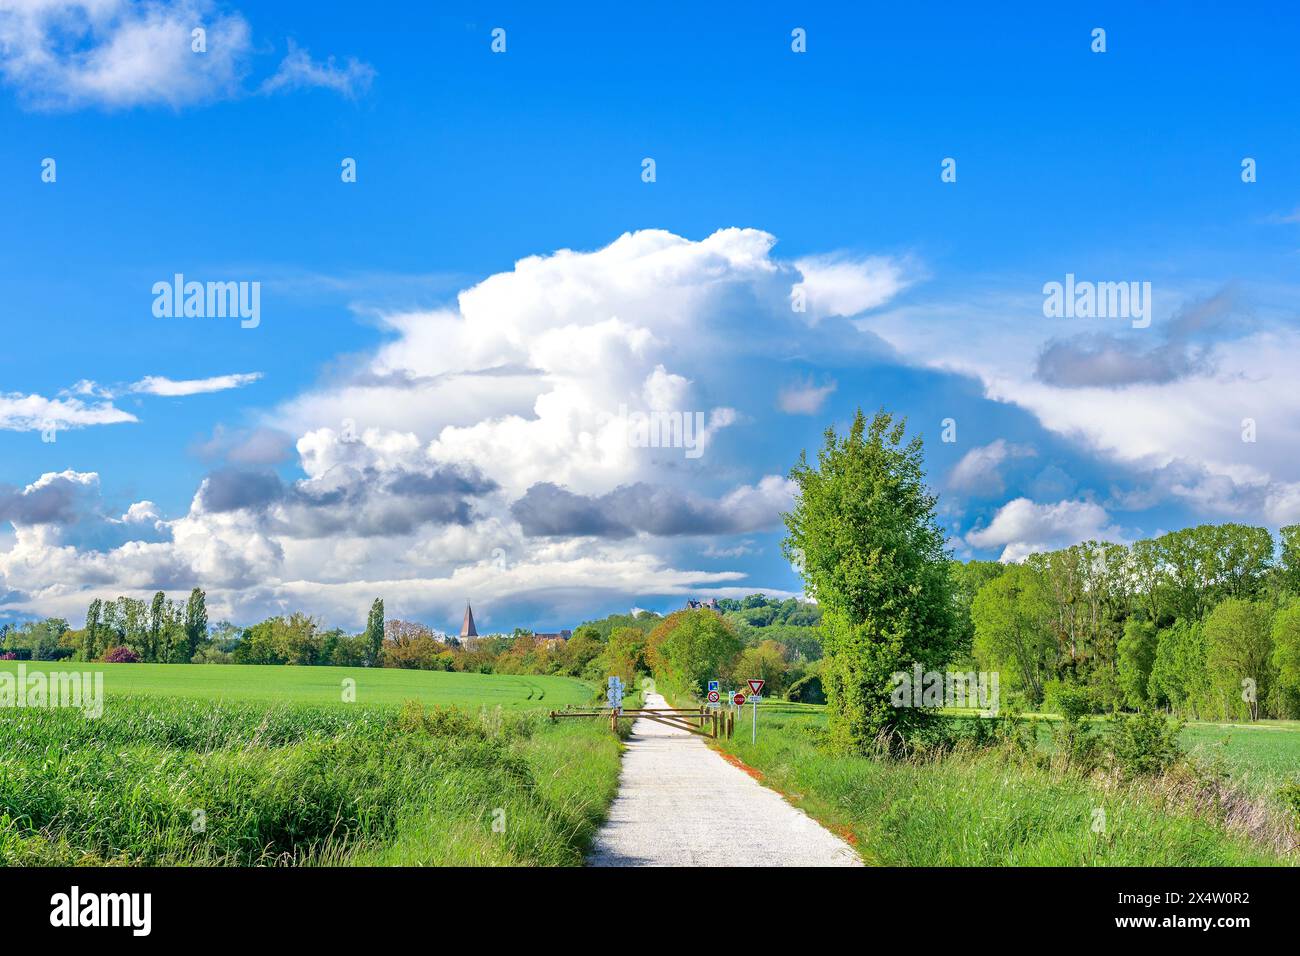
(681, 804)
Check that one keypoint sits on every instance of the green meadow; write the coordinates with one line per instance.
(380, 686)
(266, 766)
(1259, 756)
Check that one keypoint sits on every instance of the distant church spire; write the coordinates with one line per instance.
(467, 628)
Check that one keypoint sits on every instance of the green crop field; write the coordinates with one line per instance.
(1259, 756)
(264, 765)
(324, 685)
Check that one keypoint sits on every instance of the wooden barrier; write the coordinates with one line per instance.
(691, 720)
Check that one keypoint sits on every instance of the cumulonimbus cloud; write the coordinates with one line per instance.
(481, 445)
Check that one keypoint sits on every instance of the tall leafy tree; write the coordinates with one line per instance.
(967, 578)
(90, 647)
(1286, 654)
(1178, 675)
(1150, 579)
(689, 648)
(1289, 560)
(196, 621)
(374, 640)
(864, 533)
(157, 621)
(1239, 654)
(1137, 656)
(1013, 618)
(1208, 563)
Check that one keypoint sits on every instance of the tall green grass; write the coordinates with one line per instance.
(161, 782)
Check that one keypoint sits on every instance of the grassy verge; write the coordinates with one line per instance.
(156, 782)
(981, 808)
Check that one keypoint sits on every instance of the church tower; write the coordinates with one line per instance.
(467, 628)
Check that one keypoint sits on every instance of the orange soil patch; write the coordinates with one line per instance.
(737, 762)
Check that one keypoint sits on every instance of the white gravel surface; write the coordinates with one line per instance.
(681, 804)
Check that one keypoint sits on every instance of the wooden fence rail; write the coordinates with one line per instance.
(699, 720)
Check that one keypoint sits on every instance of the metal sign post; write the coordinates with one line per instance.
(755, 695)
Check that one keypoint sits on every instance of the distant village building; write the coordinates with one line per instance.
(467, 628)
(552, 638)
(694, 605)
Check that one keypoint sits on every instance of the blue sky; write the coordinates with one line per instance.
(925, 296)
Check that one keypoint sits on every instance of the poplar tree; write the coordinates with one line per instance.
(196, 621)
(90, 639)
(863, 532)
(375, 632)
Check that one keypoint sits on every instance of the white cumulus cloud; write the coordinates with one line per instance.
(171, 388)
(1022, 527)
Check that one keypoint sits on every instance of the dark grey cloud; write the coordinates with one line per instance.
(71, 504)
(351, 501)
(1109, 360)
(55, 502)
(256, 447)
(440, 484)
(547, 510)
(235, 489)
(1189, 480)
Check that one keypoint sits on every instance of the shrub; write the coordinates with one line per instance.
(121, 655)
(941, 734)
(1289, 796)
(1071, 701)
(438, 721)
(1145, 743)
(211, 654)
(1073, 740)
(807, 690)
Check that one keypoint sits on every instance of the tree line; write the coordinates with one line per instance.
(1203, 622)
(166, 631)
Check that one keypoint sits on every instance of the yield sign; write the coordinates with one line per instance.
(738, 699)
(756, 686)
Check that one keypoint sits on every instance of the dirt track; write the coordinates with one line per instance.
(681, 804)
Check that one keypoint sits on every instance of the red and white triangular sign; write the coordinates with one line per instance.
(756, 686)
